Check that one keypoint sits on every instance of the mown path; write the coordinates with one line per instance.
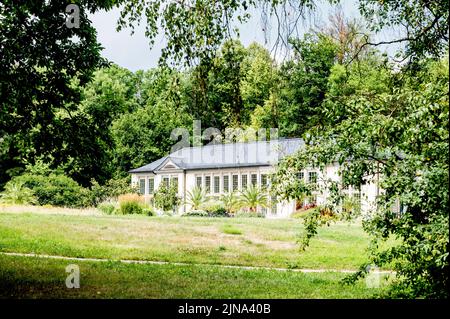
(154, 262)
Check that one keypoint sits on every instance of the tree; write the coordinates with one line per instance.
(259, 78)
(196, 197)
(40, 58)
(402, 136)
(17, 193)
(144, 135)
(305, 81)
(230, 202)
(252, 197)
(348, 34)
(166, 197)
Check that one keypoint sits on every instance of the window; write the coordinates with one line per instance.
(141, 186)
(264, 181)
(166, 181)
(235, 182)
(151, 185)
(254, 179)
(198, 181)
(273, 205)
(312, 177)
(175, 182)
(208, 183)
(301, 175)
(244, 179)
(226, 183)
(216, 184)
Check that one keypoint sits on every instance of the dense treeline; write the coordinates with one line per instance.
(123, 119)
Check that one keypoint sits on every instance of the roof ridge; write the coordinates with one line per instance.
(264, 141)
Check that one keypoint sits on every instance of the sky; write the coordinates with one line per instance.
(133, 51)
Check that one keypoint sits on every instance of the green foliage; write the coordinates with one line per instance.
(112, 189)
(41, 71)
(305, 84)
(230, 202)
(107, 208)
(130, 207)
(402, 137)
(148, 211)
(54, 189)
(196, 197)
(166, 197)
(213, 206)
(252, 198)
(196, 213)
(17, 194)
(142, 136)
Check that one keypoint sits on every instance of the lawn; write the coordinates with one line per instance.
(204, 242)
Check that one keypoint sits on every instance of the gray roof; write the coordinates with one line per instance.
(260, 153)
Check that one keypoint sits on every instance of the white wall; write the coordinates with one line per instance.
(187, 181)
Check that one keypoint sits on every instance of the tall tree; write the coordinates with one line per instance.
(305, 81)
(39, 59)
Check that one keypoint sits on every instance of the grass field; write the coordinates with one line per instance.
(202, 242)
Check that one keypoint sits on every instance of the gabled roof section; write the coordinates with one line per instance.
(260, 153)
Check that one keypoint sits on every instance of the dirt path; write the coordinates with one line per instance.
(152, 262)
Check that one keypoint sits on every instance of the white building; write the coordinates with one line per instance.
(222, 168)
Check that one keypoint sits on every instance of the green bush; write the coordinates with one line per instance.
(130, 207)
(219, 212)
(166, 198)
(16, 193)
(214, 208)
(106, 208)
(149, 211)
(111, 189)
(55, 189)
(199, 213)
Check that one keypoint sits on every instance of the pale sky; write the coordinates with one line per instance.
(133, 52)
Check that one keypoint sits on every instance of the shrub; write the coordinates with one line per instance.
(252, 197)
(149, 211)
(230, 202)
(212, 206)
(130, 207)
(17, 193)
(166, 198)
(196, 197)
(54, 189)
(219, 212)
(106, 208)
(134, 204)
(200, 213)
(131, 198)
(113, 188)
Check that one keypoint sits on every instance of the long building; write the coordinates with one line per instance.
(221, 168)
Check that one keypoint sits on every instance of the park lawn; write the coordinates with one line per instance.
(229, 241)
(32, 277)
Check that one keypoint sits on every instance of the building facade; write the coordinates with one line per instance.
(222, 168)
